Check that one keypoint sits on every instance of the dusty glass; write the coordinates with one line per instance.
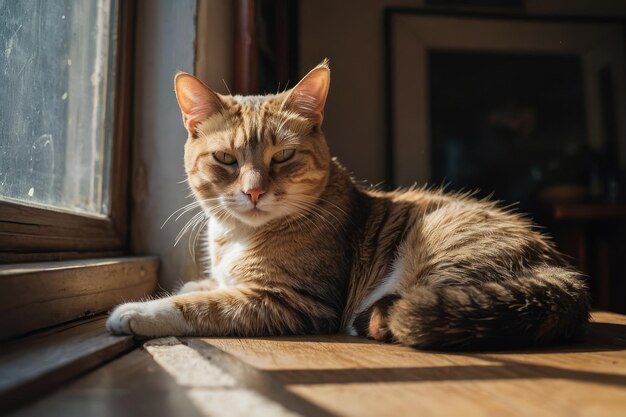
(57, 66)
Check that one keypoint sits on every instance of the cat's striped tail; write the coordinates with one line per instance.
(546, 305)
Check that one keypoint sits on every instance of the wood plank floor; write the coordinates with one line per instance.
(353, 377)
(346, 376)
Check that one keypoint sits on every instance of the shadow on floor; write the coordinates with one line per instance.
(505, 370)
(600, 337)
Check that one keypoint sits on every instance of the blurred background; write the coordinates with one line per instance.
(521, 100)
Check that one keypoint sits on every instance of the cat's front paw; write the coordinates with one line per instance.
(120, 318)
(152, 318)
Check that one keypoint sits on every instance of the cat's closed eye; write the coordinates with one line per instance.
(224, 158)
(283, 155)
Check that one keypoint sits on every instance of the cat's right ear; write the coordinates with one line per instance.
(197, 101)
(308, 97)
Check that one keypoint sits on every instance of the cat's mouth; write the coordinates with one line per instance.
(254, 216)
(255, 211)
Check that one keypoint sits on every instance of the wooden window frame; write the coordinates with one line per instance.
(32, 233)
(59, 266)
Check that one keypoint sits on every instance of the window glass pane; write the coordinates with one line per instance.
(56, 78)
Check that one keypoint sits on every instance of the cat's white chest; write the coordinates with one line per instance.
(227, 248)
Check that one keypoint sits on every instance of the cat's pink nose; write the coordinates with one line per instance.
(254, 195)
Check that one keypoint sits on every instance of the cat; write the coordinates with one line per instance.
(298, 247)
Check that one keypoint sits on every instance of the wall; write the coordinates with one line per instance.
(165, 36)
(214, 46)
(166, 43)
(350, 33)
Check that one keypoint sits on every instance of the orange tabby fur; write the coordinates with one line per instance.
(298, 247)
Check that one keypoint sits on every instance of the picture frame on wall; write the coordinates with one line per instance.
(412, 36)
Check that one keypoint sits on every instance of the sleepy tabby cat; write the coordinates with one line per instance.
(298, 247)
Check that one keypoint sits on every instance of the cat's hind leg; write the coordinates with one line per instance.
(543, 305)
(374, 322)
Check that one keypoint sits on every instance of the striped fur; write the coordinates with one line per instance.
(318, 253)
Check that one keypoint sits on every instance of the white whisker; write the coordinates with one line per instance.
(196, 218)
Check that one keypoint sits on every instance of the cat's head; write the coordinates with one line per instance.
(255, 159)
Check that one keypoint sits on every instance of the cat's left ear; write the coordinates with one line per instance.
(197, 101)
(308, 97)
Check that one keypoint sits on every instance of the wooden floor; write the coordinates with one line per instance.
(346, 376)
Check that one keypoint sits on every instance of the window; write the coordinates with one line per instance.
(63, 150)
(57, 85)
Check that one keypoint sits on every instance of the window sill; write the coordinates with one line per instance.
(43, 294)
